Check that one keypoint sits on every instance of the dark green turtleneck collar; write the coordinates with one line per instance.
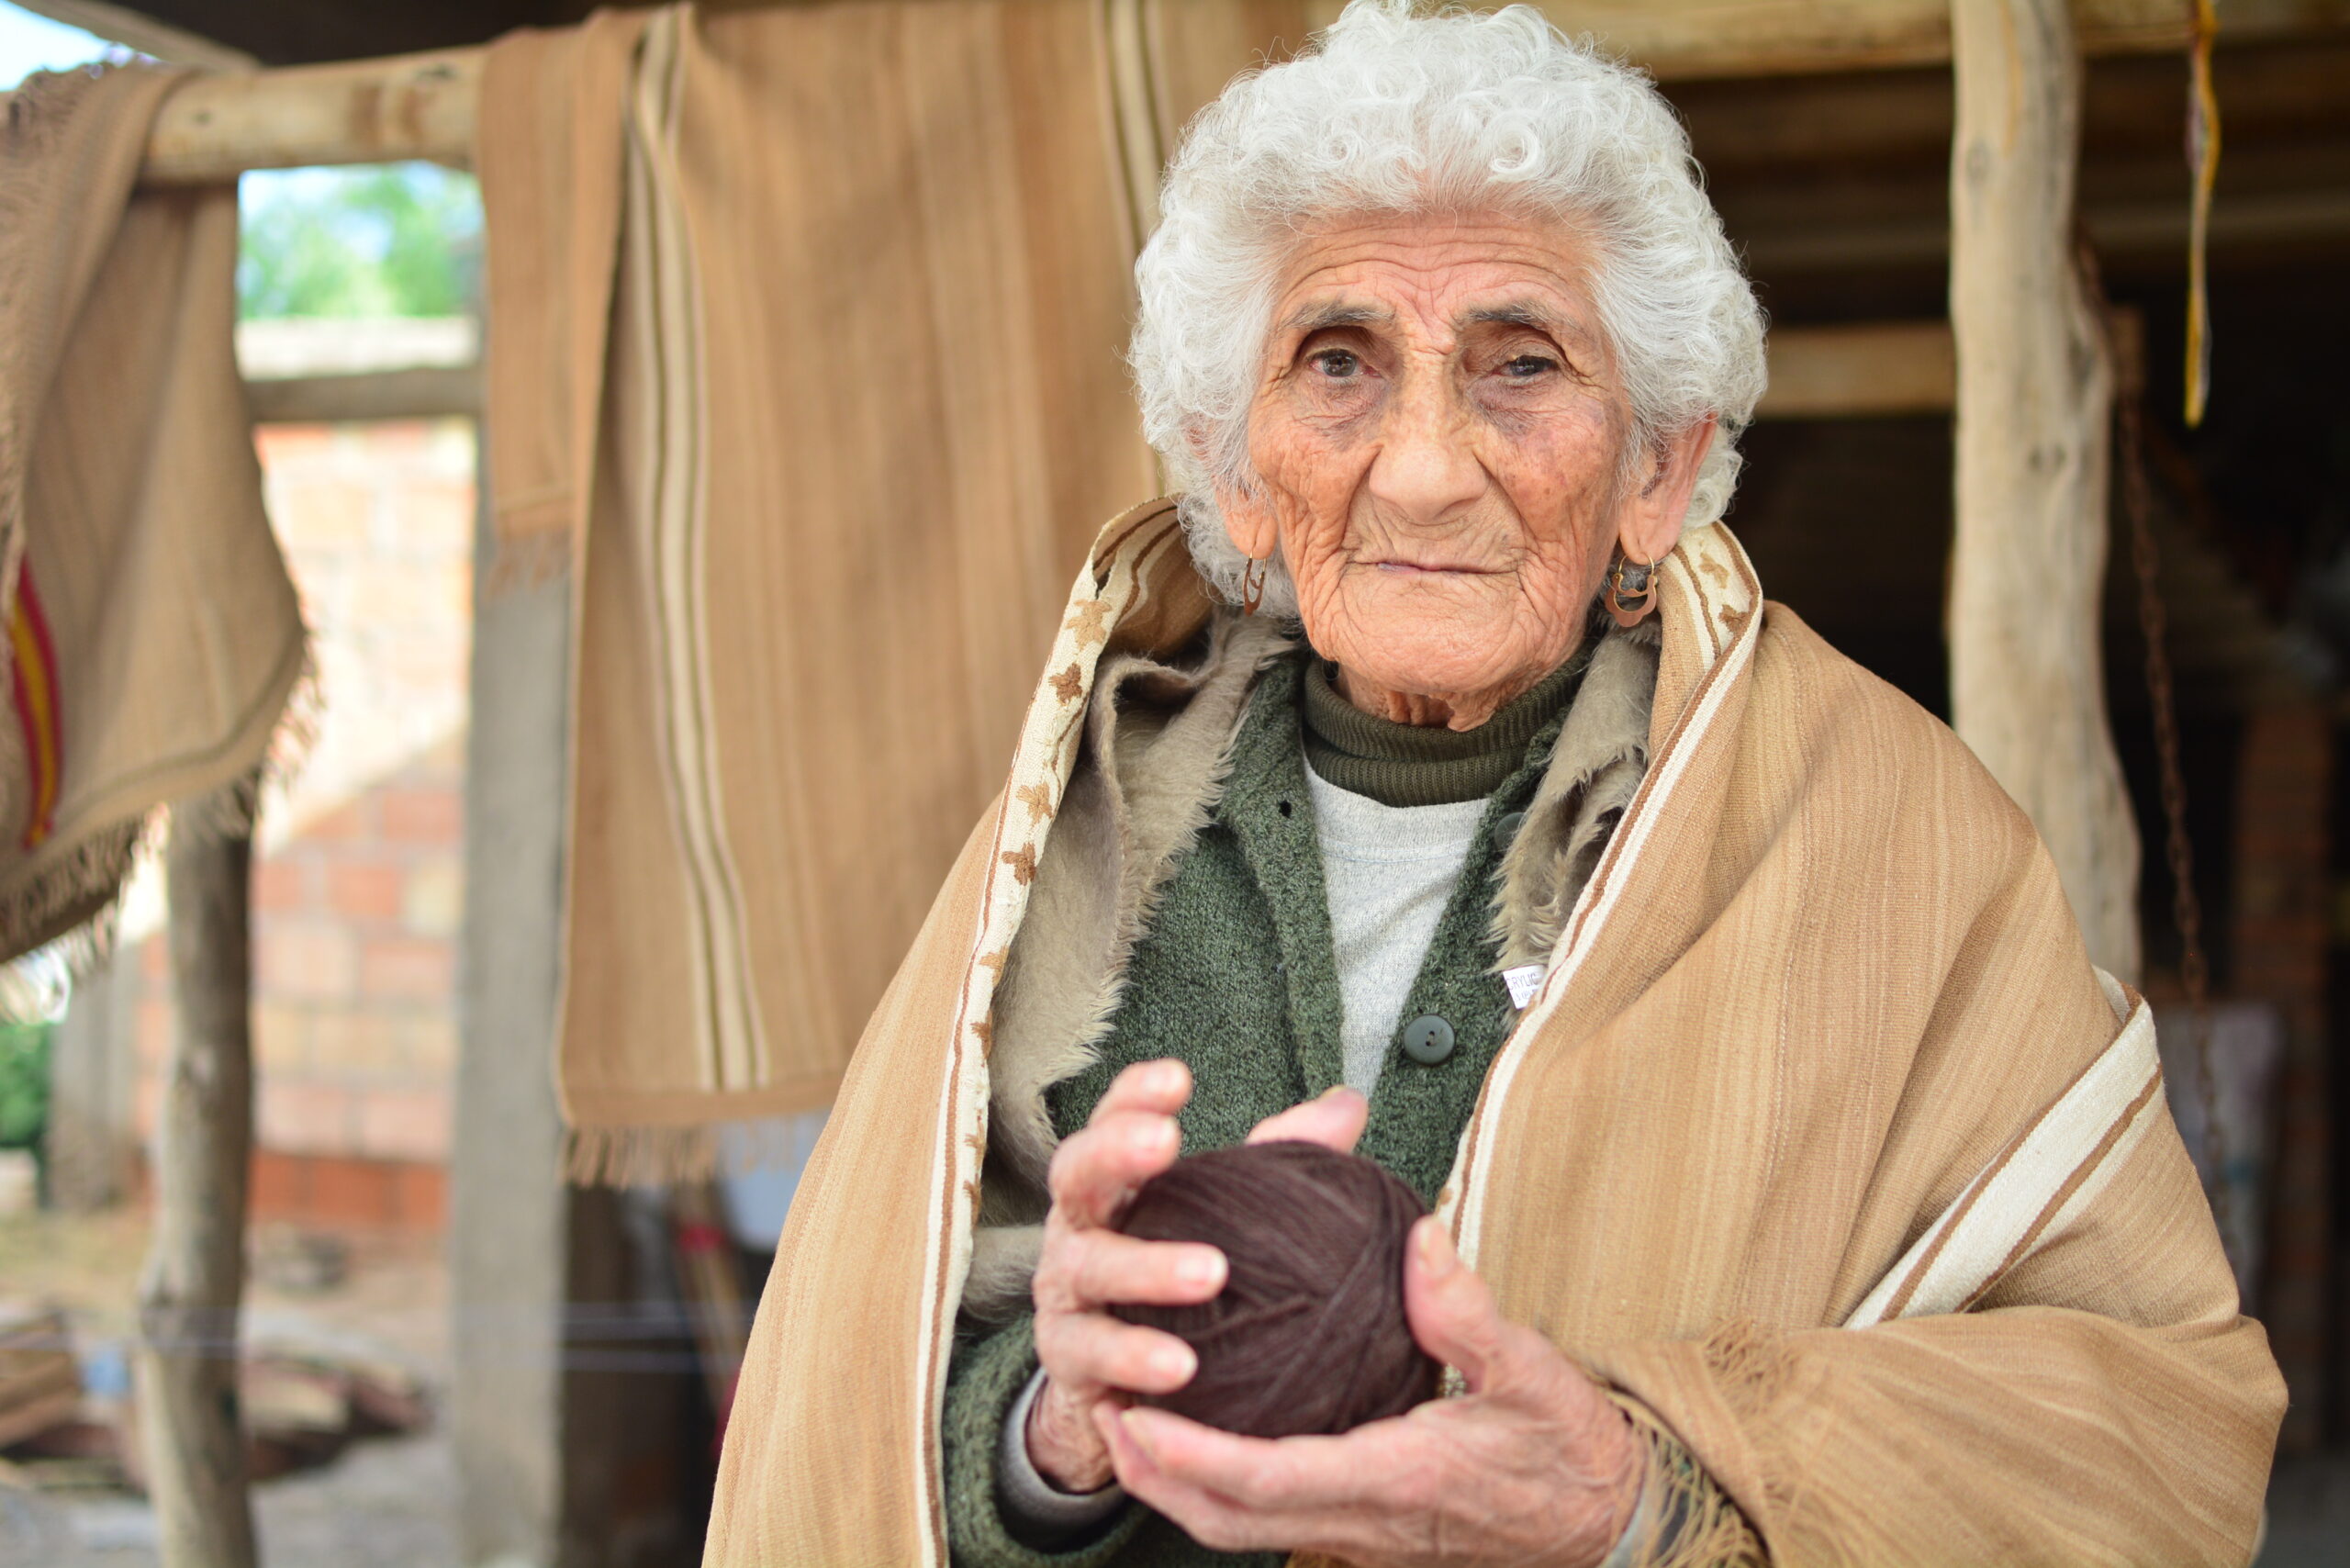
(1415, 764)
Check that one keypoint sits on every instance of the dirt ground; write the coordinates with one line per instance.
(383, 1503)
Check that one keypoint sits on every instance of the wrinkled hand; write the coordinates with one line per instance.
(1094, 1362)
(1533, 1466)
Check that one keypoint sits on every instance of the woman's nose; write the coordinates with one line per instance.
(1427, 468)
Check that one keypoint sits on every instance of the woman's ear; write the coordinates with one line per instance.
(1249, 522)
(1249, 518)
(1648, 524)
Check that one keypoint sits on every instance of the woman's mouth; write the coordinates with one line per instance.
(1431, 570)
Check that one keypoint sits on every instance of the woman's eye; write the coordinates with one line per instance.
(1527, 366)
(1339, 364)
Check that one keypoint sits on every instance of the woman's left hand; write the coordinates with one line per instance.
(1534, 1465)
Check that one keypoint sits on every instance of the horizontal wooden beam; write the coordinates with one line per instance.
(421, 105)
(1868, 370)
(2240, 219)
(1680, 40)
(283, 346)
(1690, 40)
(423, 392)
(364, 111)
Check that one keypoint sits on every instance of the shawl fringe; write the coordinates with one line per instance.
(1694, 1523)
(639, 1157)
(520, 561)
(79, 900)
(670, 1157)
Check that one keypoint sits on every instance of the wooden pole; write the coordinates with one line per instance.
(2035, 392)
(360, 111)
(189, 1296)
(422, 392)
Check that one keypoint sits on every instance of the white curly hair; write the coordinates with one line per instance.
(1394, 108)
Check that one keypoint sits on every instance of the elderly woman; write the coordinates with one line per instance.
(1800, 1191)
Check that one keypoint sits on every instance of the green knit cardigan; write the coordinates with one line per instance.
(1236, 977)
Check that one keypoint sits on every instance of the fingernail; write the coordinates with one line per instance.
(1138, 1433)
(1437, 1256)
(1200, 1268)
(1174, 1363)
(1158, 1136)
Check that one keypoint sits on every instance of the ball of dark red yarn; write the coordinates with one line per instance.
(1308, 1334)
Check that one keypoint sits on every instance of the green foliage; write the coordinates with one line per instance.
(24, 1084)
(393, 240)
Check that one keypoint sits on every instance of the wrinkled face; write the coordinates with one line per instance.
(1440, 443)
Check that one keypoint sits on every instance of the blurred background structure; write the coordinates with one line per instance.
(543, 1358)
(358, 895)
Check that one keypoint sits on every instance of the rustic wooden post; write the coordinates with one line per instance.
(195, 1264)
(2035, 392)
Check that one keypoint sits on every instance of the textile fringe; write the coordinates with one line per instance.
(1748, 1362)
(234, 810)
(670, 1157)
(639, 1157)
(522, 561)
(69, 910)
(76, 903)
(296, 737)
(1694, 1524)
(228, 811)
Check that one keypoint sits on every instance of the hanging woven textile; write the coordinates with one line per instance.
(806, 332)
(153, 636)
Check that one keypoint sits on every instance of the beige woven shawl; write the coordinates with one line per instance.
(859, 405)
(1823, 1140)
(152, 635)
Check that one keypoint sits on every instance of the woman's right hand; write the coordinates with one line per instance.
(1094, 1362)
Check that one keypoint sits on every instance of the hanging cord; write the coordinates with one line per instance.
(2154, 626)
(2203, 161)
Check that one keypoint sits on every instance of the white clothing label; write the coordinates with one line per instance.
(1523, 982)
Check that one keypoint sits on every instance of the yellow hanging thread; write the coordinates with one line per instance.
(2203, 158)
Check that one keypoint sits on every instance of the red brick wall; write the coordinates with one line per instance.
(355, 958)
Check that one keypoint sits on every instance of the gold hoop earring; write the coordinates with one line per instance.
(1631, 590)
(1252, 586)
